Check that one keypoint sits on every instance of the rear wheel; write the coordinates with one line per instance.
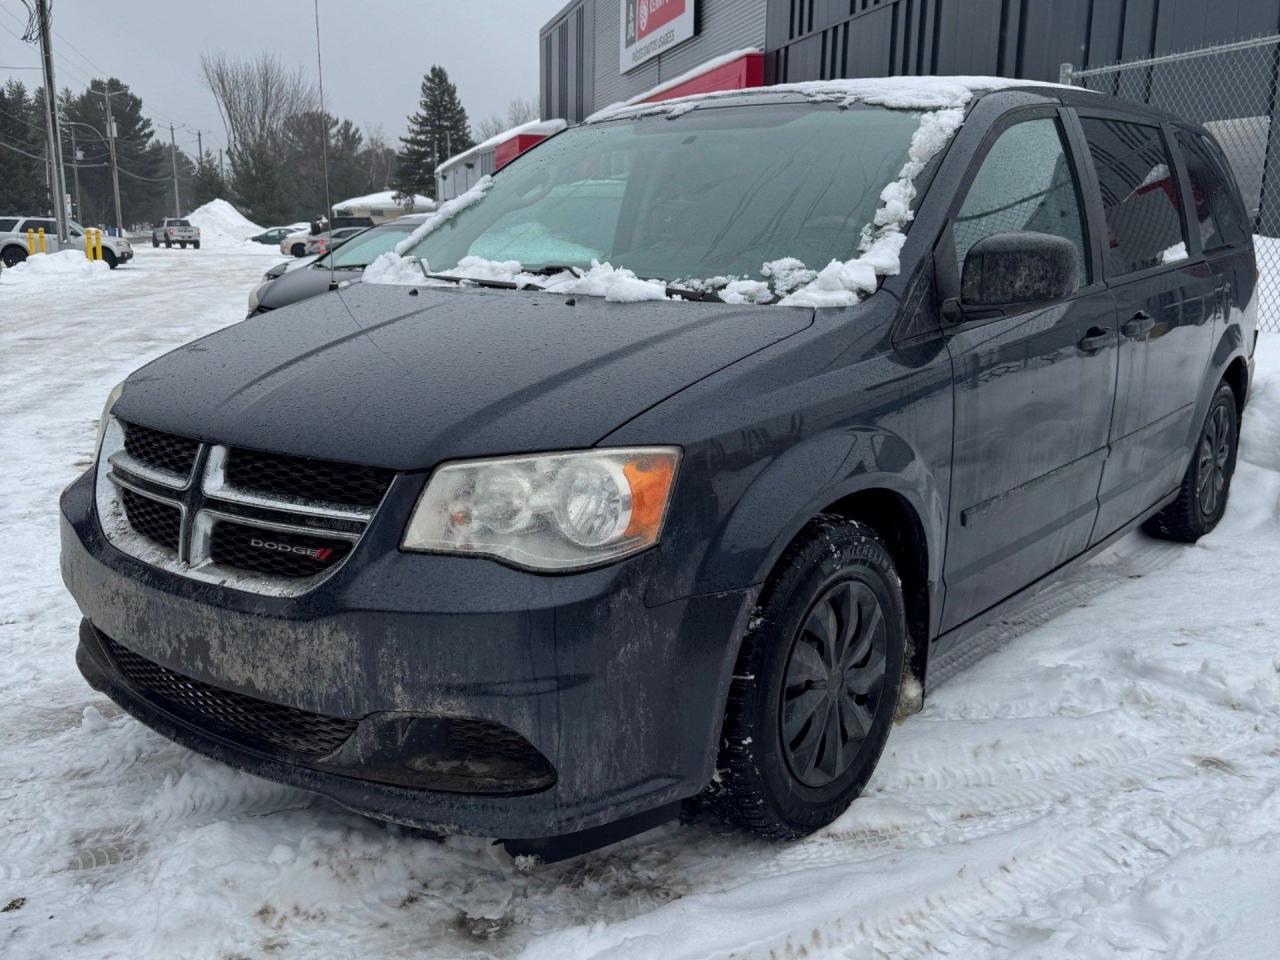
(1202, 499)
(195, 244)
(155, 242)
(816, 684)
(12, 256)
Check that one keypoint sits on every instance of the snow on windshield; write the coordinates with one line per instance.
(787, 281)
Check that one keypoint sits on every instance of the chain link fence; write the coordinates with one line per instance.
(1231, 89)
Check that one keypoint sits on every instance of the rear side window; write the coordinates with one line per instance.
(1025, 184)
(1139, 194)
(1219, 212)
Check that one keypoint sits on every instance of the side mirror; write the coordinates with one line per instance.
(1011, 269)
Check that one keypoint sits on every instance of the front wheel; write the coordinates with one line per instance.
(109, 258)
(13, 256)
(1202, 499)
(298, 250)
(155, 242)
(816, 684)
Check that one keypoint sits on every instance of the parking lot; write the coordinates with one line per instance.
(1102, 784)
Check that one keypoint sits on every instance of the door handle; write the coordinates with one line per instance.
(1141, 324)
(1096, 339)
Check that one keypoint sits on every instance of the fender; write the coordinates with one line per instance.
(812, 477)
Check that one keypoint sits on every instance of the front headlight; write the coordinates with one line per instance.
(112, 397)
(255, 295)
(554, 512)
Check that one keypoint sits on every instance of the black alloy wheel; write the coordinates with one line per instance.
(834, 681)
(816, 683)
(1216, 446)
(1206, 487)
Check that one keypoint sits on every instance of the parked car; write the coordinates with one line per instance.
(322, 243)
(295, 244)
(172, 230)
(272, 236)
(13, 240)
(283, 284)
(542, 564)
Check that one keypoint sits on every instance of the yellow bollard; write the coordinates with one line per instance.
(42, 249)
(31, 240)
(88, 243)
(97, 245)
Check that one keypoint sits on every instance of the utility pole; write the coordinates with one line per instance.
(200, 148)
(75, 167)
(173, 158)
(111, 148)
(53, 130)
(222, 174)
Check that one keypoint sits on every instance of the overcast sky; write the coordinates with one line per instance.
(375, 52)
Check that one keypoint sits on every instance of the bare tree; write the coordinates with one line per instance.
(255, 97)
(519, 110)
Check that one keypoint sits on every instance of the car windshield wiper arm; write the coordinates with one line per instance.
(685, 293)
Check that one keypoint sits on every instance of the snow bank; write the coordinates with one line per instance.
(222, 225)
(63, 267)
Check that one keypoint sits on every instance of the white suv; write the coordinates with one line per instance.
(13, 240)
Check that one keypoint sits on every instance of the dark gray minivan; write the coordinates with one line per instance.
(544, 557)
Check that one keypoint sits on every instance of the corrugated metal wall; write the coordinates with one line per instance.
(821, 39)
(579, 53)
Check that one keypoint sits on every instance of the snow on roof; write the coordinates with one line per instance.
(904, 93)
(387, 198)
(534, 128)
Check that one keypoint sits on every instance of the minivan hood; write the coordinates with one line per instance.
(387, 376)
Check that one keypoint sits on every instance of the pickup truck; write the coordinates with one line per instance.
(172, 230)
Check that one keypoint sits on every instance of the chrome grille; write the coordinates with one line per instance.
(161, 451)
(159, 522)
(260, 522)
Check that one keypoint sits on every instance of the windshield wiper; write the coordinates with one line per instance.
(479, 282)
(685, 293)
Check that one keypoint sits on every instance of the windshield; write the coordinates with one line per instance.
(360, 251)
(709, 193)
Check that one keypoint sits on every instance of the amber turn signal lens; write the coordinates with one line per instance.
(650, 478)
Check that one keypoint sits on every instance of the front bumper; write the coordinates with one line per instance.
(623, 700)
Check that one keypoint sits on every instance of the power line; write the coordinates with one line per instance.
(10, 146)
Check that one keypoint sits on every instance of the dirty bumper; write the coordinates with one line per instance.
(442, 692)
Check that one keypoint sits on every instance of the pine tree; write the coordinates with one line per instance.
(438, 131)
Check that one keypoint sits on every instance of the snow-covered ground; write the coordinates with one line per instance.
(1106, 784)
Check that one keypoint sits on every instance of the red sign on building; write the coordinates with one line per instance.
(651, 27)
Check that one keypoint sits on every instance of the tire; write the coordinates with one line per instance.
(195, 244)
(168, 244)
(13, 256)
(298, 250)
(155, 242)
(1202, 498)
(783, 776)
(182, 244)
(109, 258)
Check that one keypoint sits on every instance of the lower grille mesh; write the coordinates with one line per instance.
(303, 734)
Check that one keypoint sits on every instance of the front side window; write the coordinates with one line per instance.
(1025, 185)
(1139, 194)
(361, 251)
(1219, 215)
(712, 192)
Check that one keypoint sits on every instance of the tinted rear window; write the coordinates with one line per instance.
(1140, 194)
(1219, 211)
